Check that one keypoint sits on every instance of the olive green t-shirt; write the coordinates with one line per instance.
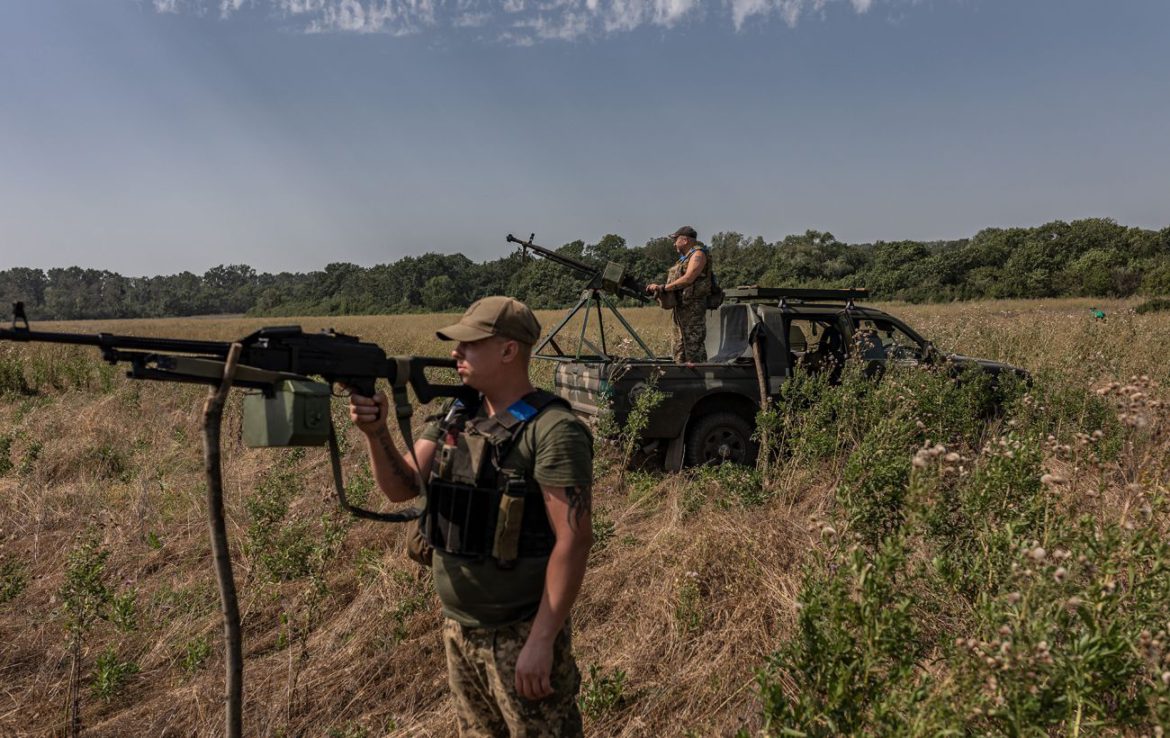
(557, 449)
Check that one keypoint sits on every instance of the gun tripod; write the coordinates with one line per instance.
(591, 298)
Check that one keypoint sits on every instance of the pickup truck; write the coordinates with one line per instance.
(754, 341)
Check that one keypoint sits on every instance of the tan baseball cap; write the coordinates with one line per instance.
(494, 316)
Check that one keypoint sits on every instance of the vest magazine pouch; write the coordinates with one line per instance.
(509, 523)
(418, 549)
(668, 299)
(460, 518)
(463, 462)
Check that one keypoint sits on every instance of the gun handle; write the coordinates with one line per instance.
(359, 385)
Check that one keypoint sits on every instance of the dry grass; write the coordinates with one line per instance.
(685, 598)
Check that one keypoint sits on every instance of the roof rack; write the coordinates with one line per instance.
(795, 294)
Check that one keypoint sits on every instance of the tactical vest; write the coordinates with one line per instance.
(701, 287)
(475, 506)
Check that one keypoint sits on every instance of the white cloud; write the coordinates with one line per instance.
(471, 20)
(563, 27)
(300, 7)
(626, 15)
(346, 15)
(788, 10)
(520, 22)
(179, 6)
(227, 7)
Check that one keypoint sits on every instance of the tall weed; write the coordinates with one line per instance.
(975, 589)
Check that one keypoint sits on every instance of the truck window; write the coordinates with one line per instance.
(881, 339)
(816, 344)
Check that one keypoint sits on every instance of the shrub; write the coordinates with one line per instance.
(123, 611)
(110, 674)
(602, 692)
(1153, 305)
(734, 483)
(6, 453)
(852, 660)
(13, 578)
(688, 603)
(874, 483)
(85, 594)
(31, 455)
(603, 529)
(645, 400)
(193, 654)
(987, 596)
(283, 547)
(12, 379)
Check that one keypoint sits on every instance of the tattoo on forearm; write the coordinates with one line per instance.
(580, 503)
(397, 465)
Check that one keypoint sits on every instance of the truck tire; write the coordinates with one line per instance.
(720, 437)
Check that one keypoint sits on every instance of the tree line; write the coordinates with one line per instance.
(1094, 257)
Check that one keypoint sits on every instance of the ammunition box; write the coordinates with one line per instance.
(296, 415)
(612, 276)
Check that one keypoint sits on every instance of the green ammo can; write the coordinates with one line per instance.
(297, 414)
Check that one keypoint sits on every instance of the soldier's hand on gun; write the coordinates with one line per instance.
(368, 413)
(653, 289)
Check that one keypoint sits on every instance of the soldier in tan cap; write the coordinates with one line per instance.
(508, 496)
(688, 283)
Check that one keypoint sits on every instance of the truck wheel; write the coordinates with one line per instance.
(721, 437)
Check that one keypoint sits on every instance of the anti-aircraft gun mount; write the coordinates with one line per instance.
(610, 279)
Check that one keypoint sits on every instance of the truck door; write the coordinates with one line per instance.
(816, 343)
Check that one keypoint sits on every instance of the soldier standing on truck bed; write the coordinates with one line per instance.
(507, 520)
(688, 283)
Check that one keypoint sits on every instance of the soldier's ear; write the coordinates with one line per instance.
(509, 350)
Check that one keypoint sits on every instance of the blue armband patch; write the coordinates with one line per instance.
(522, 411)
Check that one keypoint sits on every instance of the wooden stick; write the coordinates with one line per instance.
(229, 605)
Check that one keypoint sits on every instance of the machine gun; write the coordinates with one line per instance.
(282, 407)
(611, 278)
(267, 358)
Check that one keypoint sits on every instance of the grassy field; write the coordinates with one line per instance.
(898, 565)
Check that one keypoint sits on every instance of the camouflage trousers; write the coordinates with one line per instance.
(481, 666)
(690, 331)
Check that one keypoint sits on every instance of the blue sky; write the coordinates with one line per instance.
(154, 136)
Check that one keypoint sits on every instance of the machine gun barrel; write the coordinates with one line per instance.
(588, 270)
(268, 356)
(611, 277)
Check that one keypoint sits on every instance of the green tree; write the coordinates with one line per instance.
(439, 293)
